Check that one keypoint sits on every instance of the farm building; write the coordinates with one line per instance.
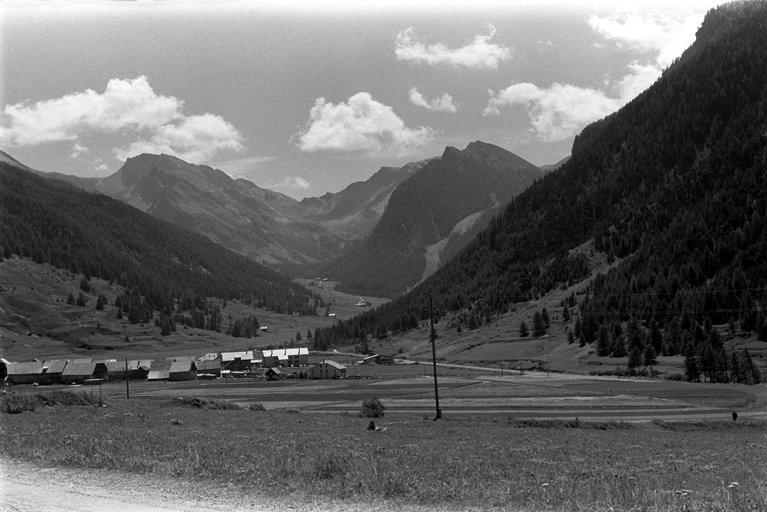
(273, 373)
(209, 367)
(77, 373)
(24, 373)
(135, 369)
(285, 357)
(378, 359)
(182, 370)
(160, 370)
(237, 361)
(52, 371)
(327, 369)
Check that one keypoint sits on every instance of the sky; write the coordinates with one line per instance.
(306, 98)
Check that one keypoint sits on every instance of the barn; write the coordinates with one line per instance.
(182, 370)
(24, 373)
(52, 371)
(211, 367)
(77, 373)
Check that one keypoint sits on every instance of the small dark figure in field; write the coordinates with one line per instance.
(372, 426)
(734, 416)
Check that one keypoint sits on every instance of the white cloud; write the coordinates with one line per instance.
(664, 34)
(442, 104)
(126, 106)
(558, 112)
(363, 125)
(78, 150)
(561, 111)
(291, 183)
(480, 54)
(193, 139)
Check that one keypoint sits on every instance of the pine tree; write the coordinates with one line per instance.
(635, 360)
(603, 342)
(570, 337)
(539, 326)
(691, 372)
(524, 331)
(649, 357)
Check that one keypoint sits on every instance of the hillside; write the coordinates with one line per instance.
(670, 190)
(159, 265)
(264, 225)
(427, 211)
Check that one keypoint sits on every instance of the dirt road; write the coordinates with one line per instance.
(25, 487)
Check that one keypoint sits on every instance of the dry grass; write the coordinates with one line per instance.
(454, 464)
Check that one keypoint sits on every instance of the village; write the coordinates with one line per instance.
(271, 364)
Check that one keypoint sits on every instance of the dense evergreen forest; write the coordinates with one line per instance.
(163, 268)
(672, 188)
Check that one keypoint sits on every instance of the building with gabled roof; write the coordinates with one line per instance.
(237, 361)
(209, 367)
(160, 370)
(52, 371)
(24, 373)
(182, 370)
(285, 357)
(327, 369)
(77, 373)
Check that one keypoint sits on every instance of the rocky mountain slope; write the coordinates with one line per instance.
(433, 209)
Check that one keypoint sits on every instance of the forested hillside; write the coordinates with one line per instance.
(53, 222)
(672, 188)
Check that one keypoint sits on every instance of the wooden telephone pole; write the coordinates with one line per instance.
(433, 336)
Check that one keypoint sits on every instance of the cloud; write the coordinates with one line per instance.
(664, 34)
(558, 112)
(480, 54)
(78, 150)
(441, 104)
(126, 106)
(193, 139)
(362, 125)
(291, 183)
(561, 111)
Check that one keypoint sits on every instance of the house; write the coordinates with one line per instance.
(210, 367)
(52, 371)
(77, 373)
(285, 357)
(24, 373)
(182, 370)
(378, 359)
(327, 369)
(273, 373)
(237, 361)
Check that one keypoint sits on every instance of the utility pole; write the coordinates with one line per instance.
(433, 336)
(127, 381)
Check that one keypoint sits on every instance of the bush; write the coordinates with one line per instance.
(372, 408)
(16, 403)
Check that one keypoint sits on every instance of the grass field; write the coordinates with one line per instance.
(464, 461)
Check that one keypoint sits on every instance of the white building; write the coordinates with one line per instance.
(327, 369)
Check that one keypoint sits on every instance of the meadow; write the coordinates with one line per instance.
(465, 461)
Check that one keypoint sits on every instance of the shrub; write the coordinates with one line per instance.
(372, 408)
(14, 403)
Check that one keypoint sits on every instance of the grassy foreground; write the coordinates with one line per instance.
(450, 464)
